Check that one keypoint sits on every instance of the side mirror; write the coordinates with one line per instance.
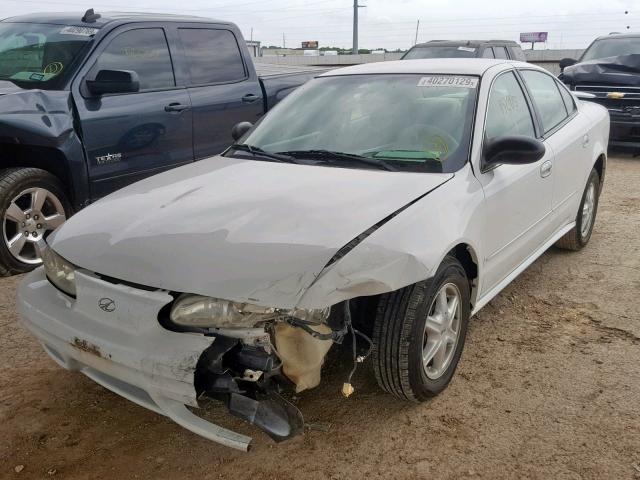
(567, 62)
(114, 81)
(239, 129)
(513, 150)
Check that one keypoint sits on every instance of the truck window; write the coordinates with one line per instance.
(501, 52)
(546, 97)
(145, 51)
(213, 56)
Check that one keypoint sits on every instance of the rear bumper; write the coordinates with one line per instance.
(135, 358)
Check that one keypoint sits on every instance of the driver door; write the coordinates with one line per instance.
(518, 198)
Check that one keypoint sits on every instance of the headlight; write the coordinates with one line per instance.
(59, 272)
(207, 312)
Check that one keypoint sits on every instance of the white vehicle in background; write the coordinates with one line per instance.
(385, 203)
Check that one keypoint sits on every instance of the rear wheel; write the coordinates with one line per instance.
(32, 205)
(578, 237)
(419, 334)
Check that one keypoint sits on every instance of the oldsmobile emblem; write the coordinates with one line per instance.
(106, 305)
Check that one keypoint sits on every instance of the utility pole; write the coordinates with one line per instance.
(417, 28)
(284, 43)
(252, 34)
(355, 26)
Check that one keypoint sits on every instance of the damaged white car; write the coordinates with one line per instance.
(381, 204)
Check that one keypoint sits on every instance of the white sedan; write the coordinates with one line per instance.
(379, 206)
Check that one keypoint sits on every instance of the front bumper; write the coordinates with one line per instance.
(625, 130)
(121, 349)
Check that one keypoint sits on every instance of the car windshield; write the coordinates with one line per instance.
(38, 55)
(612, 47)
(404, 122)
(441, 52)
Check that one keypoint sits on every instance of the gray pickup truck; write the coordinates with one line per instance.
(90, 103)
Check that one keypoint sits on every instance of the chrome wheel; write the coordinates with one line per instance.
(442, 331)
(588, 208)
(30, 216)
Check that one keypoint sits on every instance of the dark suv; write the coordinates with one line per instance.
(466, 49)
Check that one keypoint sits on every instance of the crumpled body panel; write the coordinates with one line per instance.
(242, 230)
(623, 70)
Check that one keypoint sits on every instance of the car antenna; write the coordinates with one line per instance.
(90, 16)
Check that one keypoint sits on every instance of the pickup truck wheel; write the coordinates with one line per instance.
(419, 333)
(32, 205)
(578, 237)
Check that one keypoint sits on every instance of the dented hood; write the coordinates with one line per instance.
(621, 70)
(240, 230)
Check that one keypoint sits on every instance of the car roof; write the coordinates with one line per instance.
(468, 43)
(75, 19)
(448, 66)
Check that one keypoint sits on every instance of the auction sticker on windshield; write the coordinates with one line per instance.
(448, 81)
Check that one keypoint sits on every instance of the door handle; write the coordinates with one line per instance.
(585, 140)
(176, 107)
(250, 98)
(545, 168)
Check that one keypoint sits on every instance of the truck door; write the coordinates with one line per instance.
(223, 85)
(130, 136)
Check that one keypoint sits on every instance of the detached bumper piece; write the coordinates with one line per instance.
(244, 378)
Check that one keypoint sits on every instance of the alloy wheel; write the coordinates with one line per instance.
(31, 215)
(442, 330)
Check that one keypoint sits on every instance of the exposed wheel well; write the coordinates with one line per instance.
(467, 257)
(601, 168)
(47, 159)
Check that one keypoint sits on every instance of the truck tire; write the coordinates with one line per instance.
(33, 203)
(419, 333)
(578, 237)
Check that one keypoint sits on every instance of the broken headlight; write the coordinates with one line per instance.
(208, 312)
(59, 272)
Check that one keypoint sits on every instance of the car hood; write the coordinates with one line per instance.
(621, 70)
(243, 230)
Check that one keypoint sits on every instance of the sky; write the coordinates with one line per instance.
(383, 24)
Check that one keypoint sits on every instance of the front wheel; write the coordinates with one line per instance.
(578, 237)
(419, 334)
(32, 204)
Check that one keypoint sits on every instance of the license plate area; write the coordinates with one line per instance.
(118, 306)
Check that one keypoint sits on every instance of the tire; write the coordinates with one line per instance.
(578, 237)
(24, 188)
(399, 334)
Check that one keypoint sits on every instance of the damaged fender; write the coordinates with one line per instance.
(405, 250)
(34, 118)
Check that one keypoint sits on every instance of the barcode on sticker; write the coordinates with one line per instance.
(80, 31)
(448, 81)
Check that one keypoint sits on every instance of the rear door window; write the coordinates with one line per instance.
(567, 97)
(546, 98)
(144, 51)
(501, 52)
(508, 111)
(488, 53)
(213, 56)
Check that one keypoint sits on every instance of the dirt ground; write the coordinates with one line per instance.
(548, 387)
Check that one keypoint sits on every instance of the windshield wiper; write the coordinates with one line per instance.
(258, 152)
(402, 154)
(331, 155)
